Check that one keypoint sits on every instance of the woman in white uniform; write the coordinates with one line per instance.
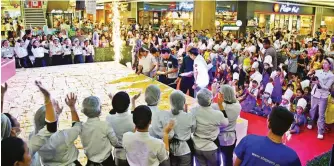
(38, 52)
(88, 52)
(77, 51)
(67, 47)
(56, 52)
(22, 53)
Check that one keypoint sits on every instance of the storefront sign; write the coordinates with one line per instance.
(285, 8)
(187, 6)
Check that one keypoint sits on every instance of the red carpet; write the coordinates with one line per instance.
(305, 144)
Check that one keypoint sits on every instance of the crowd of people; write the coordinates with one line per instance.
(273, 70)
(145, 135)
(280, 76)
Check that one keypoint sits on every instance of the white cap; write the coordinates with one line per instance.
(234, 66)
(252, 49)
(302, 103)
(255, 65)
(269, 88)
(235, 76)
(288, 94)
(227, 49)
(216, 47)
(258, 79)
(304, 84)
(268, 59)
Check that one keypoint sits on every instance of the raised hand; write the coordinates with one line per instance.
(135, 97)
(71, 99)
(45, 92)
(57, 107)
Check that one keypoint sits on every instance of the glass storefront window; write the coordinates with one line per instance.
(302, 24)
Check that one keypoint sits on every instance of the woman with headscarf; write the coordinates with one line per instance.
(231, 109)
(208, 122)
(6, 127)
(322, 81)
(97, 137)
(185, 124)
(120, 119)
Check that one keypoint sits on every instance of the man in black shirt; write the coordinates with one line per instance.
(187, 82)
(169, 68)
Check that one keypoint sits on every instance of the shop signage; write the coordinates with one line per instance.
(285, 8)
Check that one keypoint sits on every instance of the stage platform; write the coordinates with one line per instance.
(23, 98)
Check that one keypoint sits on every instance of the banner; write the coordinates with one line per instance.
(91, 7)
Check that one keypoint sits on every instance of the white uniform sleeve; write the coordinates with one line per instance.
(111, 136)
(162, 153)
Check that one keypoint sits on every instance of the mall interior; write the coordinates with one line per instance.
(301, 17)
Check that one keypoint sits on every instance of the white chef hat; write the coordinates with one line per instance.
(235, 76)
(202, 47)
(75, 40)
(238, 47)
(255, 65)
(216, 47)
(258, 79)
(234, 66)
(269, 88)
(302, 103)
(252, 49)
(227, 49)
(268, 59)
(288, 94)
(304, 84)
(180, 52)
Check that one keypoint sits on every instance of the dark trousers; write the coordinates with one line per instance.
(67, 59)
(170, 82)
(25, 62)
(57, 60)
(227, 154)
(77, 163)
(184, 160)
(40, 62)
(187, 84)
(108, 162)
(89, 59)
(78, 59)
(120, 162)
(47, 59)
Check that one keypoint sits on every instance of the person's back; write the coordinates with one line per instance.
(141, 148)
(269, 150)
(260, 150)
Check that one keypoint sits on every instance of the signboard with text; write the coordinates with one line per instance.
(286, 8)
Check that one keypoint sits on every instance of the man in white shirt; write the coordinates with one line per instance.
(200, 70)
(147, 62)
(22, 53)
(141, 148)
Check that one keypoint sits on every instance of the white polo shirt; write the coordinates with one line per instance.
(143, 149)
(147, 62)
